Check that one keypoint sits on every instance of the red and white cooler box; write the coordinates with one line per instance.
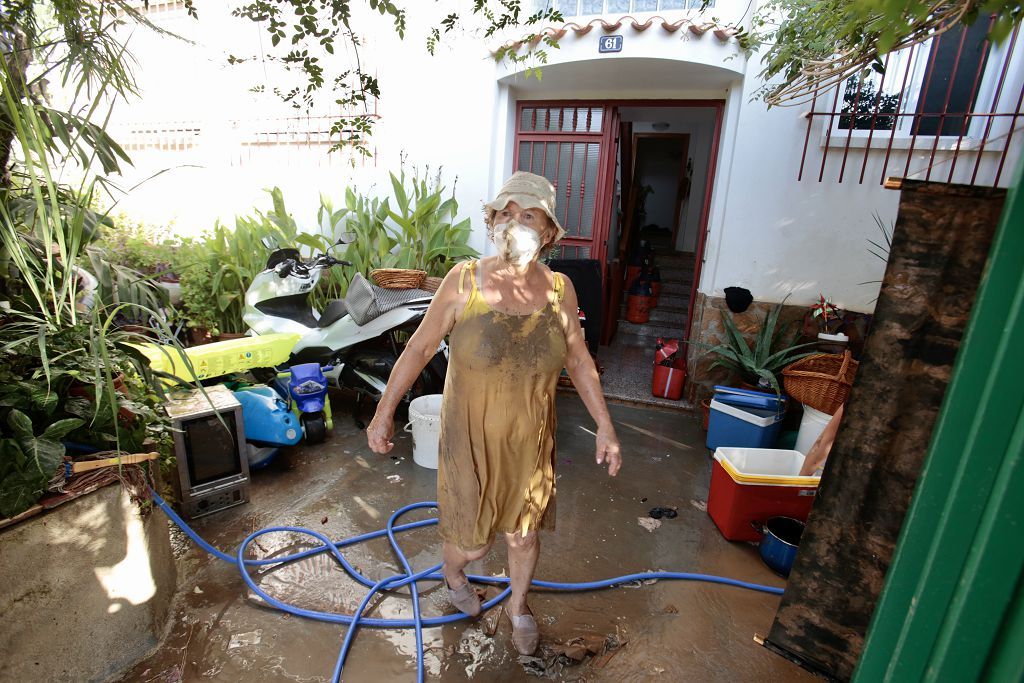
(753, 484)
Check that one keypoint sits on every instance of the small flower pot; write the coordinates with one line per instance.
(705, 413)
(832, 343)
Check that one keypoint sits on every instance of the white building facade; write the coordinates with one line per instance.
(763, 206)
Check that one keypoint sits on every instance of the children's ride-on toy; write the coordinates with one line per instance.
(273, 417)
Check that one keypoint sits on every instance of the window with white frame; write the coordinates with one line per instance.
(587, 8)
(938, 88)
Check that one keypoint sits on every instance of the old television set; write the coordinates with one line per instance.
(209, 445)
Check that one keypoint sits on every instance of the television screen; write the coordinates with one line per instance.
(211, 447)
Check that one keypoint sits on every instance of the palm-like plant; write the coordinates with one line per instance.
(773, 349)
(429, 237)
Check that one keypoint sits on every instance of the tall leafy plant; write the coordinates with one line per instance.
(50, 338)
(428, 234)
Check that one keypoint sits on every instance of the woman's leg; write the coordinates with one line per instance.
(456, 559)
(523, 552)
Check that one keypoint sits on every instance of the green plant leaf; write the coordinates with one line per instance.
(19, 491)
(61, 428)
(42, 454)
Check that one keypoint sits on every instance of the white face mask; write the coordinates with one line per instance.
(517, 244)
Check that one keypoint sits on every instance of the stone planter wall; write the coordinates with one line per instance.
(707, 328)
(86, 589)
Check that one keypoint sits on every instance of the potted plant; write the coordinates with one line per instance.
(829, 321)
(761, 363)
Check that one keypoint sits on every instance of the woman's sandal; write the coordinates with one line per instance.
(464, 598)
(525, 634)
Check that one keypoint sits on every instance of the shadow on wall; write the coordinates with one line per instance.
(87, 589)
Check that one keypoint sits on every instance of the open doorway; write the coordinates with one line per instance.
(665, 160)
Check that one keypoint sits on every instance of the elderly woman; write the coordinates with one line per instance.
(513, 327)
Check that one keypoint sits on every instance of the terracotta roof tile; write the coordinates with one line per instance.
(723, 34)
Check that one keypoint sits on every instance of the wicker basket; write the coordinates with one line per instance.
(398, 278)
(431, 284)
(822, 381)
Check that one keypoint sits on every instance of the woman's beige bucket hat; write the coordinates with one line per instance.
(529, 191)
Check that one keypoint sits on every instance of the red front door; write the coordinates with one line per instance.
(568, 144)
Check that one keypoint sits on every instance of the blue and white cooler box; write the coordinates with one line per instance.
(744, 419)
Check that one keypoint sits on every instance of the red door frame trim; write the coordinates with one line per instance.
(603, 210)
(704, 216)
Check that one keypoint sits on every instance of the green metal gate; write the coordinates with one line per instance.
(953, 604)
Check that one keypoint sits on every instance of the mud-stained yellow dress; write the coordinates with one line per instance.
(496, 465)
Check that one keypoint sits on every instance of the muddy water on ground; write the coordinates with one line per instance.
(676, 631)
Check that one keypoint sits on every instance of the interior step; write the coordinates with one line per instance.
(676, 288)
(651, 329)
(674, 302)
(674, 260)
(661, 316)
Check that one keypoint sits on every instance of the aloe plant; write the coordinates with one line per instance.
(773, 349)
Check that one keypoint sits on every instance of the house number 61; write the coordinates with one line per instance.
(610, 44)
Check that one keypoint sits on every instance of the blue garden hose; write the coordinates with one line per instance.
(408, 578)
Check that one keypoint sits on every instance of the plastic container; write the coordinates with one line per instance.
(751, 485)
(632, 273)
(638, 308)
(668, 382)
(744, 418)
(425, 425)
(812, 425)
(655, 292)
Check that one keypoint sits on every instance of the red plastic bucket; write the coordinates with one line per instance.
(638, 308)
(632, 273)
(668, 382)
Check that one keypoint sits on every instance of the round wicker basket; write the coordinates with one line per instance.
(431, 284)
(398, 278)
(821, 381)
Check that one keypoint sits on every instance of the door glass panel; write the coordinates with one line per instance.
(579, 169)
(596, 119)
(590, 196)
(561, 181)
(550, 161)
(553, 119)
(538, 158)
(568, 119)
(524, 156)
(542, 119)
(526, 119)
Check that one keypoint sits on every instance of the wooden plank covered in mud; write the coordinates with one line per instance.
(939, 250)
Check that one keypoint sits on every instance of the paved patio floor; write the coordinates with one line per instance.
(676, 631)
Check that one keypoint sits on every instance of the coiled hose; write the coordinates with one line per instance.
(409, 578)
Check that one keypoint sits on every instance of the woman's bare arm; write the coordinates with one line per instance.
(437, 323)
(584, 376)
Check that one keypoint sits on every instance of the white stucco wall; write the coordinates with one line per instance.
(766, 231)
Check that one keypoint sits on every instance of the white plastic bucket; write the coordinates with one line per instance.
(425, 425)
(811, 427)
